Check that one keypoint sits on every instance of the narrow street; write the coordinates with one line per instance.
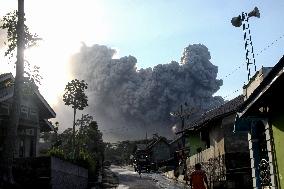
(129, 179)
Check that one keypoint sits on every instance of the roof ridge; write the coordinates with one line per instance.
(223, 109)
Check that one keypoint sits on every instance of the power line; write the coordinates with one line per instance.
(234, 92)
(257, 54)
(232, 72)
(218, 105)
(270, 45)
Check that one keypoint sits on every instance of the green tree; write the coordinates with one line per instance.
(56, 127)
(18, 38)
(89, 145)
(75, 96)
(65, 142)
(10, 24)
(82, 123)
(93, 143)
(121, 152)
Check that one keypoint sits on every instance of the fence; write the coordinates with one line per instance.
(212, 163)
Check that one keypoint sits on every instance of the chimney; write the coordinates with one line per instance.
(255, 81)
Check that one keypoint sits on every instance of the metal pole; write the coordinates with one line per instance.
(182, 125)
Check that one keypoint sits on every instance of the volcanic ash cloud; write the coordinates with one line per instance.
(3, 37)
(128, 102)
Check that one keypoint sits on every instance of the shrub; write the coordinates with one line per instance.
(57, 152)
(83, 159)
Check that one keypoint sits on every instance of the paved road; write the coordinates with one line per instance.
(131, 180)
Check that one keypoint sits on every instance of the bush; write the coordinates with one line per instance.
(57, 152)
(84, 158)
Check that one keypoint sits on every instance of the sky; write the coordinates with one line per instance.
(155, 32)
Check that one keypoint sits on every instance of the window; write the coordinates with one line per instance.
(24, 112)
(32, 148)
(4, 109)
(22, 148)
(33, 114)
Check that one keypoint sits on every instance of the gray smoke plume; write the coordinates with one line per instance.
(128, 102)
(3, 37)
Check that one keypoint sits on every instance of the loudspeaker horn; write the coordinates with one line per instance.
(255, 13)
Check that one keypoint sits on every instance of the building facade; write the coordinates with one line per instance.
(159, 150)
(223, 154)
(34, 115)
(263, 116)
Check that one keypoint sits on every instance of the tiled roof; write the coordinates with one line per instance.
(5, 76)
(7, 92)
(141, 146)
(228, 107)
(156, 141)
(176, 140)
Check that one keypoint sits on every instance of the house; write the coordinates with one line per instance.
(153, 154)
(158, 150)
(262, 114)
(176, 145)
(223, 154)
(141, 158)
(179, 151)
(34, 115)
(140, 150)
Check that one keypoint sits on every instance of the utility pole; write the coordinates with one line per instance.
(183, 113)
(146, 136)
(11, 137)
(243, 20)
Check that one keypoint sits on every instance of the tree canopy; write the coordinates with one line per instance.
(75, 94)
(9, 23)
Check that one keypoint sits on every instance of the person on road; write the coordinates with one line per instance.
(139, 170)
(198, 178)
(176, 165)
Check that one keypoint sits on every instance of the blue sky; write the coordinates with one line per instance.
(154, 31)
(157, 32)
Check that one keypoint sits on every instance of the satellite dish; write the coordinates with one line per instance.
(255, 13)
(236, 21)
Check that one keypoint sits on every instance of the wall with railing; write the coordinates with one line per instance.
(213, 163)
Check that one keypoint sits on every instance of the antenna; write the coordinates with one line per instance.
(243, 20)
(146, 136)
(250, 58)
